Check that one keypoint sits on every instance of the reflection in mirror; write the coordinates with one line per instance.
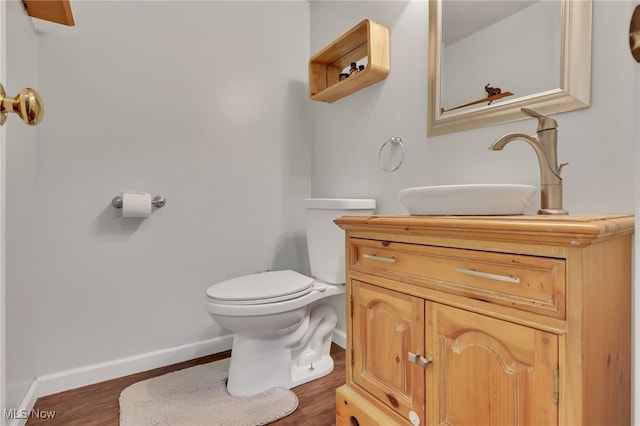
(488, 59)
(526, 66)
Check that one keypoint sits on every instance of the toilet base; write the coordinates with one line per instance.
(307, 373)
(274, 368)
(283, 361)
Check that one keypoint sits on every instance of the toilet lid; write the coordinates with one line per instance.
(264, 287)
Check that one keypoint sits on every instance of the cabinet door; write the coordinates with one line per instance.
(387, 327)
(489, 372)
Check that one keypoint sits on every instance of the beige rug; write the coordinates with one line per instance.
(198, 396)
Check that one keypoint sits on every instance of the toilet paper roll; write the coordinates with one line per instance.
(136, 204)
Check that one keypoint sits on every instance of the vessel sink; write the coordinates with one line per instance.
(468, 200)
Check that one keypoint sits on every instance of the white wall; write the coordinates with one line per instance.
(21, 288)
(348, 133)
(599, 142)
(202, 102)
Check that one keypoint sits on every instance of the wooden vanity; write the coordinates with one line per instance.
(487, 320)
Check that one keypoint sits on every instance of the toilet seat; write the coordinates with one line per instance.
(261, 288)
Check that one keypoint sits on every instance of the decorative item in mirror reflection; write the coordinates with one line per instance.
(493, 93)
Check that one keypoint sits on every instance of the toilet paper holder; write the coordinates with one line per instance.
(158, 201)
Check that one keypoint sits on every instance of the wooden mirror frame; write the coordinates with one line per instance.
(575, 76)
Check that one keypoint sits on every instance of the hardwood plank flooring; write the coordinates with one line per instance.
(97, 405)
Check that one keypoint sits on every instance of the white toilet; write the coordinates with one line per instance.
(283, 321)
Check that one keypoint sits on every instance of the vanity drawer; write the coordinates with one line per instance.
(531, 283)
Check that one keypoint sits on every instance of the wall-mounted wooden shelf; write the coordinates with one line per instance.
(367, 39)
(58, 11)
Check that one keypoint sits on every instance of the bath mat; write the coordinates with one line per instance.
(198, 396)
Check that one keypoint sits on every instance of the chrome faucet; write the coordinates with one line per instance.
(544, 144)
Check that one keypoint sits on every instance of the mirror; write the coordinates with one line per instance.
(474, 83)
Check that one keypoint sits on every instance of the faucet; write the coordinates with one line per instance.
(544, 144)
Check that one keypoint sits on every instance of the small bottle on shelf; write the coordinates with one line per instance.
(354, 68)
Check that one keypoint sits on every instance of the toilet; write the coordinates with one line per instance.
(283, 321)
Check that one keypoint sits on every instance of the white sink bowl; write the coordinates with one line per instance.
(467, 200)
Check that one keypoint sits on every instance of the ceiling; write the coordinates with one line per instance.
(460, 18)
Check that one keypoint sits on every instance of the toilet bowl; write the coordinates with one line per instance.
(283, 321)
(281, 343)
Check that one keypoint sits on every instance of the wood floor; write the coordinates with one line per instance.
(97, 405)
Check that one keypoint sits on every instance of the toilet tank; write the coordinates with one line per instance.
(325, 240)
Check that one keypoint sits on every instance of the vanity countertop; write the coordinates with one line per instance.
(571, 230)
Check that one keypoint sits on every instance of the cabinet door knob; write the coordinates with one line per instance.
(424, 362)
(419, 359)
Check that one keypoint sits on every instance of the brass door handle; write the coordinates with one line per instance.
(27, 104)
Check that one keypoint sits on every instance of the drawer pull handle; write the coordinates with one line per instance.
(475, 273)
(379, 258)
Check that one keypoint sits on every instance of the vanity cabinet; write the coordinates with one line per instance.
(487, 320)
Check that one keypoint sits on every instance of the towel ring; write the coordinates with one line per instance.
(397, 141)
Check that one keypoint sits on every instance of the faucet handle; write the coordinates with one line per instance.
(544, 122)
(561, 166)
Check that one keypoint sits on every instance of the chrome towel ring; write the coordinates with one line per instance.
(395, 141)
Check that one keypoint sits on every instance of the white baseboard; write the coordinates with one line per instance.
(77, 377)
(88, 375)
(91, 374)
(27, 404)
(340, 338)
